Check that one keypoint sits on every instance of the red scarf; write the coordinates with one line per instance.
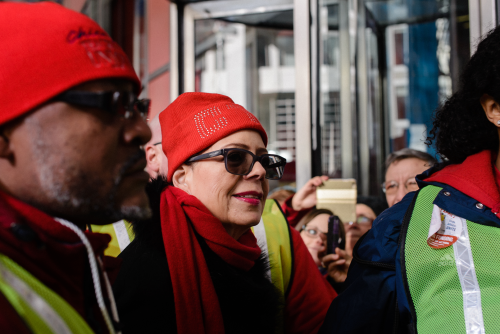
(196, 303)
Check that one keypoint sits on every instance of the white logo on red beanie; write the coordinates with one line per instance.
(236, 106)
(206, 125)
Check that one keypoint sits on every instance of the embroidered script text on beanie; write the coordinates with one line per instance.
(196, 121)
(47, 49)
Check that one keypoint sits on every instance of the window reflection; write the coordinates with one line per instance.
(256, 68)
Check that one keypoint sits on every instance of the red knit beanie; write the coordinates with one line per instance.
(47, 49)
(196, 121)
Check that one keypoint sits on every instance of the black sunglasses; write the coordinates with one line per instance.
(240, 162)
(124, 104)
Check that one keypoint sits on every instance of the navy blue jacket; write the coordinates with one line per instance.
(375, 300)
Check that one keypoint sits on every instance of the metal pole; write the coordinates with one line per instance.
(301, 24)
(346, 98)
(180, 46)
(362, 103)
(482, 18)
(316, 165)
(174, 53)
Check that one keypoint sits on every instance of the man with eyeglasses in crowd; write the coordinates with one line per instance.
(401, 168)
(71, 131)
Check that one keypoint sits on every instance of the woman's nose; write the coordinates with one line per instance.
(257, 171)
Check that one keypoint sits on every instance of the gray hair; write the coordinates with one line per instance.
(407, 153)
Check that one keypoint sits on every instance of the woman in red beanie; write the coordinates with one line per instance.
(197, 266)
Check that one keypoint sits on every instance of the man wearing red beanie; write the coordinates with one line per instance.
(71, 128)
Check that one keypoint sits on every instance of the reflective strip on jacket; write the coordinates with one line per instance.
(43, 311)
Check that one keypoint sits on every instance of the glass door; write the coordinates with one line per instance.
(246, 51)
(395, 65)
(337, 84)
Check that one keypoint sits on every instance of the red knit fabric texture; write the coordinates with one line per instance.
(197, 307)
(47, 49)
(196, 121)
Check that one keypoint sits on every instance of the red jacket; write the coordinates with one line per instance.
(310, 294)
(55, 256)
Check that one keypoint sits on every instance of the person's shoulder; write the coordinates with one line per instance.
(380, 244)
(10, 320)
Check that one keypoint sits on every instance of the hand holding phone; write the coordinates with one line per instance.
(337, 265)
(334, 238)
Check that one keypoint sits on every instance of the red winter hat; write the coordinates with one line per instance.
(195, 121)
(47, 49)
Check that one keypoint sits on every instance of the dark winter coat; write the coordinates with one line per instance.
(143, 290)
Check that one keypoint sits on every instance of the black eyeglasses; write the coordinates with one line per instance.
(240, 162)
(124, 104)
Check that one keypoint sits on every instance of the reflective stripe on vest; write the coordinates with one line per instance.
(453, 289)
(44, 311)
(121, 236)
(273, 237)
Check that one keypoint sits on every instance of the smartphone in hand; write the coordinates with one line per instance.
(334, 238)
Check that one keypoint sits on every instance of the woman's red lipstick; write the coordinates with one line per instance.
(250, 197)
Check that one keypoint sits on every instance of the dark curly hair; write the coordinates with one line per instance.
(460, 127)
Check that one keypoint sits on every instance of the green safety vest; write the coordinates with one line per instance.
(272, 233)
(43, 310)
(454, 289)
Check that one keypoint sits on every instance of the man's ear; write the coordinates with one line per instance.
(491, 109)
(182, 177)
(5, 149)
(152, 159)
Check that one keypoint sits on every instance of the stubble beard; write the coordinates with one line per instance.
(73, 192)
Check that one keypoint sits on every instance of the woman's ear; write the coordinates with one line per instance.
(491, 109)
(182, 178)
(152, 158)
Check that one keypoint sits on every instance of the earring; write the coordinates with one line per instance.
(498, 122)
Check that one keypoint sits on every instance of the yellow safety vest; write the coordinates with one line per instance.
(274, 238)
(272, 233)
(43, 310)
(121, 236)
